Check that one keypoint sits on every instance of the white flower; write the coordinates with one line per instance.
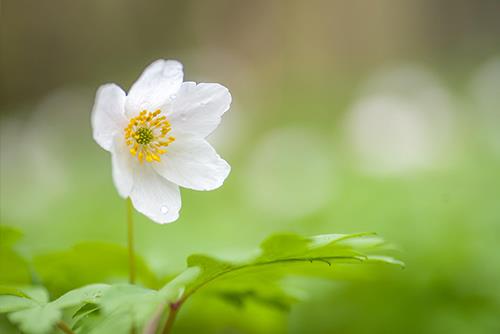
(156, 137)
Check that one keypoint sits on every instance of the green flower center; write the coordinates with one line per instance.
(144, 136)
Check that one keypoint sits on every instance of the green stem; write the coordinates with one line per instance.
(64, 327)
(172, 315)
(131, 260)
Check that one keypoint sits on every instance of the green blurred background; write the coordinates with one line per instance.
(347, 116)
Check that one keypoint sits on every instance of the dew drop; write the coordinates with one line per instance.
(164, 209)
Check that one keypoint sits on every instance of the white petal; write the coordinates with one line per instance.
(123, 163)
(192, 163)
(198, 108)
(154, 196)
(157, 83)
(108, 114)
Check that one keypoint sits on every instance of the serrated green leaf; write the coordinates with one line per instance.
(83, 314)
(84, 310)
(15, 303)
(126, 305)
(86, 294)
(13, 291)
(35, 315)
(119, 307)
(277, 299)
(31, 311)
(282, 246)
(210, 267)
(385, 259)
(87, 263)
(174, 289)
(284, 254)
(37, 294)
(39, 319)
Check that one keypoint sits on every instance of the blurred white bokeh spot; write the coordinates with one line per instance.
(403, 121)
(289, 174)
(38, 150)
(410, 80)
(31, 174)
(485, 92)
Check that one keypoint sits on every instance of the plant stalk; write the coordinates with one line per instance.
(131, 255)
(64, 327)
(172, 315)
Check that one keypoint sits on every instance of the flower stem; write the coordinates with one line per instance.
(172, 315)
(131, 256)
(64, 327)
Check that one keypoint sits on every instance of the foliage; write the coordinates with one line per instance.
(104, 308)
(31, 309)
(9, 258)
(65, 270)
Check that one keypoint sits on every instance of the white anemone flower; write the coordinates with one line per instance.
(156, 136)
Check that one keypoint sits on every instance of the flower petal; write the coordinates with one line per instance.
(123, 164)
(155, 197)
(157, 83)
(192, 163)
(198, 108)
(108, 114)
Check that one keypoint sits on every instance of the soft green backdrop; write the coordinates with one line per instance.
(346, 117)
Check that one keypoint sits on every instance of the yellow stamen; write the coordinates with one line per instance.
(146, 135)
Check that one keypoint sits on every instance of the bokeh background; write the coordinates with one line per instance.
(347, 116)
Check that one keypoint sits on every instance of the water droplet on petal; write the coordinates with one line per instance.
(164, 209)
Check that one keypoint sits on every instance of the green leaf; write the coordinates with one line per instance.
(15, 303)
(36, 293)
(259, 278)
(86, 294)
(385, 259)
(30, 311)
(175, 288)
(18, 272)
(84, 315)
(276, 299)
(211, 268)
(13, 291)
(88, 263)
(39, 319)
(19, 298)
(282, 245)
(117, 308)
(35, 315)
(125, 305)
(85, 310)
(9, 236)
